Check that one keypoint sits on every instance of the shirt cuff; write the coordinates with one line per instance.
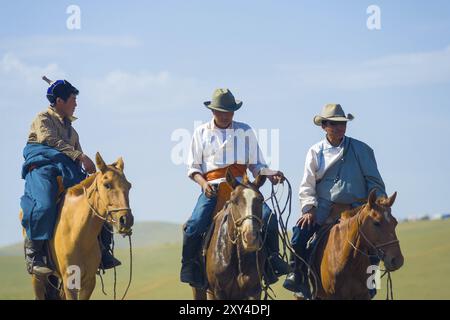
(192, 171)
(307, 208)
(74, 154)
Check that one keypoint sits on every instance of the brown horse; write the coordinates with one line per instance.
(74, 249)
(342, 258)
(234, 259)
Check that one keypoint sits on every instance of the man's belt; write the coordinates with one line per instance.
(237, 170)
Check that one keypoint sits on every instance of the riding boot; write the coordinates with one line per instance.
(292, 281)
(108, 260)
(279, 266)
(191, 267)
(34, 257)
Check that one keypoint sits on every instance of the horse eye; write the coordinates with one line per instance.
(376, 223)
(108, 186)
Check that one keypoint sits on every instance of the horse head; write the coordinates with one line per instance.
(113, 191)
(245, 209)
(378, 229)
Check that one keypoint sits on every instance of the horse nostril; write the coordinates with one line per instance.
(123, 221)
(393, 262)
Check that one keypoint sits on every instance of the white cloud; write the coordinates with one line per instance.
(45, 46)
(422, 68)
(13, 69)
(116, 90)
(21, 82)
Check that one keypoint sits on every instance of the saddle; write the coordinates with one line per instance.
(316, 238)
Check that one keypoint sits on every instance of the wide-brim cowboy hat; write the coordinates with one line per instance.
(332, 112)
(223, 100)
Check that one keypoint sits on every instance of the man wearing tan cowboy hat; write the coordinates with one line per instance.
(338, 169)
(216, 146)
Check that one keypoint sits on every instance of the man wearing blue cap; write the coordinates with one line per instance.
(53, 149)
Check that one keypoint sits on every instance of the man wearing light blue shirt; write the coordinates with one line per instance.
(338, 170)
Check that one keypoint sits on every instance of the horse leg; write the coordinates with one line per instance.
(39, 287)
(210, 295)
(69, 292)
(87, 288)
(199, 294)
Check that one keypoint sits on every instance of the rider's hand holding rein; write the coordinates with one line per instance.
(207, 188)
(87, 163)
(277, 178)
(307, 219)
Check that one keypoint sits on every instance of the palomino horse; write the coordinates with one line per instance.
(234, 259)
(342, 258)
(74, 249)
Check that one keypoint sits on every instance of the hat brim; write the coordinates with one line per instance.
(318, 119)
(233, 108)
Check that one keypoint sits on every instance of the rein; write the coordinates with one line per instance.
(105, 219)
(238, 235)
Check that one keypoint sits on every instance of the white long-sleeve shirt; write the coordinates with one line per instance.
(214, 148)
(319, 159)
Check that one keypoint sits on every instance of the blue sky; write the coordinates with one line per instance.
(144, 68)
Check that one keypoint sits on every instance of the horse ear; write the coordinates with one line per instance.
(372, 197)
(101, 165)
(245, 180)
(391, 199)
(119, 164)
(260, 180)
(231, 180)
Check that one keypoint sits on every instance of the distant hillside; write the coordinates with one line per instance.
(145, 233)
(156, 269)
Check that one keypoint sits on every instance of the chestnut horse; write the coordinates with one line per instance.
(342, 258)
(74, 248)
(234, 259)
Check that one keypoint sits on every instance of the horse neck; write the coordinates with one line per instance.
(353, 258)
(85, 224)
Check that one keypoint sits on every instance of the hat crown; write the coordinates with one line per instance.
(332, 110)
(223, 97)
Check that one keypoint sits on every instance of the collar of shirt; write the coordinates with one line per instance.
(212, 125)
(328, 145)
(53, 112)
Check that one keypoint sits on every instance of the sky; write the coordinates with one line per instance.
(144, 69)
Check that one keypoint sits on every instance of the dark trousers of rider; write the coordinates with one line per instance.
(300, 239)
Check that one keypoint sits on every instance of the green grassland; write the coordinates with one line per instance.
(156, 262)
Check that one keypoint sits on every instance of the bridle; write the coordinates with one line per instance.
(107, 217)
(238, 224)
(379, 253)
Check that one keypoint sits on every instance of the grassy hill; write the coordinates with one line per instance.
(425, 246)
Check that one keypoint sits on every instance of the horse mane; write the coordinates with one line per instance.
(380, 202)
(78, 189)
(351, 212)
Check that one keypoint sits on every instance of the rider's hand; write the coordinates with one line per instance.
(278, 177)
(307, 219)
(208, 190)
(87, 163)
